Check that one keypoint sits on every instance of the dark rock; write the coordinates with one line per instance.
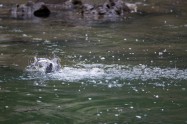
(30, 9)
(42, 12)
(110, 8)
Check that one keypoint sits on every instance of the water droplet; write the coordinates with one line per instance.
(37, 39)
(24, 35)
(38, 101)
(160, 53)
(46, 41)
(139, 117)
(183, 89)
(131, 107)
(110, 86)
(156, 96)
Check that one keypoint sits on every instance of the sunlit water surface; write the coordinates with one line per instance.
(113, 71)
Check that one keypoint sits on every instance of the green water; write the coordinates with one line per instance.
(130, 71)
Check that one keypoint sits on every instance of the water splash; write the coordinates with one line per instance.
(110, 72)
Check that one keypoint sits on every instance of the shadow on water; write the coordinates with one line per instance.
(113, 71)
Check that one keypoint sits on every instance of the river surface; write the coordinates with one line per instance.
(114, 71)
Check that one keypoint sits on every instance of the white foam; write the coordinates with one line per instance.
(94, 72)
(109, 72)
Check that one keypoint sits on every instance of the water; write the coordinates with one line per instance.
(113, 71)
